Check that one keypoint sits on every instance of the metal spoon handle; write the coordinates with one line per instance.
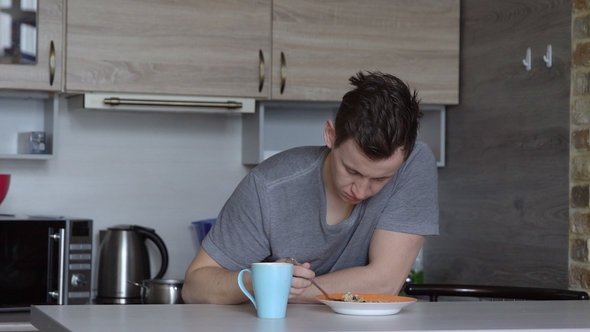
(326, 295)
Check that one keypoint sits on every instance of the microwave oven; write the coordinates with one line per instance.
(44, 261)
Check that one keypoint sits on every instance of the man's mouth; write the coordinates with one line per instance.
(352, 198)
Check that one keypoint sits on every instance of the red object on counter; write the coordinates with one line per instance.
(4, 184)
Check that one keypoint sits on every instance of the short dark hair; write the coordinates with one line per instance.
(380, 114)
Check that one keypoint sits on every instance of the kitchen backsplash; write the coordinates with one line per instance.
(157, 170)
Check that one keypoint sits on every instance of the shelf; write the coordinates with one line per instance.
(432, 130)
(26, 156)
(277, 126)
(25, 112)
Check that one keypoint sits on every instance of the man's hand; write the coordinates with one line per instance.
(301, 276)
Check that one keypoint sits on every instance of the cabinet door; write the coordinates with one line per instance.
(324, 42)
(46, 74)
(188, 47)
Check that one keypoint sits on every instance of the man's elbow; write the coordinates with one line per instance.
(387, 285)
(189, 293)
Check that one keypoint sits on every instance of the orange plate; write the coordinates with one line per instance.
(392, 307)
(371, 297)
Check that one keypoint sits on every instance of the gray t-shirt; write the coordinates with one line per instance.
(279, 211)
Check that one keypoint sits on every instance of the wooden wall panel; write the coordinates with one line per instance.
(504, 190)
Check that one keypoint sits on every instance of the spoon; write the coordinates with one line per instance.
(293, 261)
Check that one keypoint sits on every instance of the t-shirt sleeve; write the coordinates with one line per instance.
(412, 206)
(238, 236)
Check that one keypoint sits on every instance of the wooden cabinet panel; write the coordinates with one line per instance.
(170, 47)
(504, 193)
(324, 42)
(37, 77)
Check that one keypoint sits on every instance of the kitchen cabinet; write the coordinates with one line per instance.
(182, 47)
(46, 74)
(223, 48)
(318, 44)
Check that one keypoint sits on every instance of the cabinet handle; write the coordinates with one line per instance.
(261, 70)
(178, 103)
(283, 72)
(51, 63)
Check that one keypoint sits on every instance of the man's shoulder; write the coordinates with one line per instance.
(422, 154)
(300, 156)
(292, 162)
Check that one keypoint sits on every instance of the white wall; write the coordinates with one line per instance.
(152, 169)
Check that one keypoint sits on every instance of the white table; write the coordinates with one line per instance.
(420, 316)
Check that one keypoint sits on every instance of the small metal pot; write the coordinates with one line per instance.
(161, 291)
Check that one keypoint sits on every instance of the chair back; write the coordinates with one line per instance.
(433, 291)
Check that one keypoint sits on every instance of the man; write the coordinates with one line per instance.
(356, 211)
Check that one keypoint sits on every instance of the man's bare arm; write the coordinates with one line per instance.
(208, 282)
(391, 256)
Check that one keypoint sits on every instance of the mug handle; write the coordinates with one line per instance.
(243, 288)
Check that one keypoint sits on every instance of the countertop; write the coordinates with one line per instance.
(420, 316)
(16, 321)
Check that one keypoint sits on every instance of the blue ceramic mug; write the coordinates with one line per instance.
(271, 283)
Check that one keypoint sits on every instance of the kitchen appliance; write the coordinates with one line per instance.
(44, 260)
(124, 260)
(161, 291)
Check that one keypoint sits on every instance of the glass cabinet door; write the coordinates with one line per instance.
(31, 39)
(18, 32)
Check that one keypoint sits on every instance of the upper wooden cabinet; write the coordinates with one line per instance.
(185, 47)
(46, 73)
(318, 44)
(223, 47)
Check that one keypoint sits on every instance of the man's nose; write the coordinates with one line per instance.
(361, 188)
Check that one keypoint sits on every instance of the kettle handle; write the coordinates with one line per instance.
(149, 233)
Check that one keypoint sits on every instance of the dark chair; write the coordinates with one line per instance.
(433, 291)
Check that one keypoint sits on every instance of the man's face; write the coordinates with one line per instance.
(356, 177)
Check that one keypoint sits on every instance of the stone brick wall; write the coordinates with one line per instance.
(579, 237)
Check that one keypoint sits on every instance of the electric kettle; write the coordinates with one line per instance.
(123, 261)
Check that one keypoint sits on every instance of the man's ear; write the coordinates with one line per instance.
(329, 134)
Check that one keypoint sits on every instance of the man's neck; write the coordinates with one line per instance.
(337, 210)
